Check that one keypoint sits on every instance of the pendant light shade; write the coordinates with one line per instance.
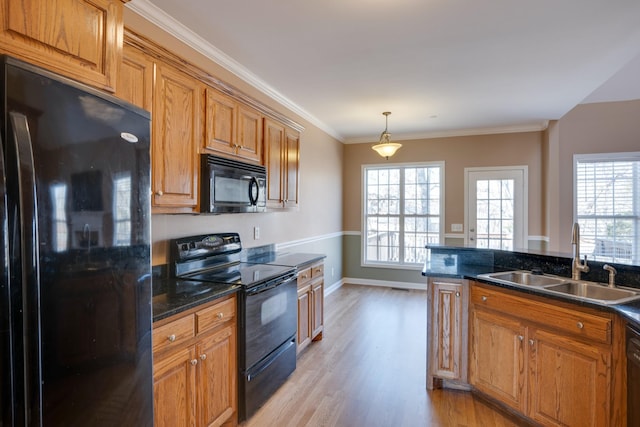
(385, 147)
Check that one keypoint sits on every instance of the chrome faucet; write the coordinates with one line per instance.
(612, 275)
(577, 267)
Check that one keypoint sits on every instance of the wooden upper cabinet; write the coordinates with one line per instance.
(282, 148)
(249, 134)
(81, 39)
(135, 79)
(176, 137)
(292, 167)
(232, 128)
(274, 161)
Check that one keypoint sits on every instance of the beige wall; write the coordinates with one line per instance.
(590, 128)
(321, 156)
(457, 153)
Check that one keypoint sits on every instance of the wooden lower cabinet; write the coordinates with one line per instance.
(195, 378)
(549, 362)
(310, 305)
(447, 332)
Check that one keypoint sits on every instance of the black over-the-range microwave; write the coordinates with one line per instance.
(230, 186)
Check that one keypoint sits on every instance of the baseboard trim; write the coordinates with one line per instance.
(385, 283)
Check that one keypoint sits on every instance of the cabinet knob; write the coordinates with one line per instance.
(203, 356)
(531, 342)
(171, 338)
(484, 298)
(580, 325)
(194, 362)
(159, 193)
(458, 294)
(220, 315)
(521, 338)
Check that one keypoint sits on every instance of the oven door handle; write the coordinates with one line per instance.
(270, 285)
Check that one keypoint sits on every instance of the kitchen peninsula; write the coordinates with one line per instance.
(541, 356)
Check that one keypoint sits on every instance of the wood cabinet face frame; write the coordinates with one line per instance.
(563, 357)
(195, 366)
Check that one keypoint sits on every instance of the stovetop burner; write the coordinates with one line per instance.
(243, 274)
(215, 258)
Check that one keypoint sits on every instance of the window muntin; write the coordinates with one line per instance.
(402, 213)
(495, 213)
(607, 206)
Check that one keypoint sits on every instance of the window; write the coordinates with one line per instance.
(607, 205)
(403, 211)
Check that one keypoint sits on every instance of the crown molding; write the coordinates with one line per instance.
(536, 127)
(167, 23)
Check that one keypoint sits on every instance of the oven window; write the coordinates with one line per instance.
(273, 308)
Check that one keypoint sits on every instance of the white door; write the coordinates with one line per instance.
(496, 208)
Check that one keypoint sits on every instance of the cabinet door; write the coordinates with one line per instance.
(77, 38)
(220, 119)
(291, 171)
(317, 302)
(446, 347)
(569, 381)
(135, 79)
(174, 387)
(497, 364)
(176, 135)
(217, 377)
(274, 148)
(249, 134)
(304, 314)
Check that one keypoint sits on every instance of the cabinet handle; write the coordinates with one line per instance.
(220, 315)
(203, 356)
(484, 298)
(194, 362)
(580, 325)
(171, 338)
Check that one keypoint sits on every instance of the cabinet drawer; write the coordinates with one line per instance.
(317, 270)
(174, 333)
(579, 323)
(304, 276)
(215, 315)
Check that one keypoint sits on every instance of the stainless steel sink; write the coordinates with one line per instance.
(595, 291)
(557, 285)
(524, 278)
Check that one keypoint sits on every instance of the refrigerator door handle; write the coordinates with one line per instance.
(30, 269)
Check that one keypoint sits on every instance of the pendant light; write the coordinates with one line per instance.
(385, 147)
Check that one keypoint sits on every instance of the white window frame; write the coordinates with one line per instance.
(363, 243)
(610, 157)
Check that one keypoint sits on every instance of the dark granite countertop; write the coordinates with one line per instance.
(468, 263)
(189, 294)
(172, 296)
(289, 259)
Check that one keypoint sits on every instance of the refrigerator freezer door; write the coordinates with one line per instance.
(87, 317)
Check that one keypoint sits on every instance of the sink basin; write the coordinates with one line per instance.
(594, 291)
(524, 278)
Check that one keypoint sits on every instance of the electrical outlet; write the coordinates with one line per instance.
(256, 233)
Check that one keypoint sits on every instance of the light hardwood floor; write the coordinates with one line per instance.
(370, 370)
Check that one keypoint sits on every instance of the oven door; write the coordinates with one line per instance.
(269, 318)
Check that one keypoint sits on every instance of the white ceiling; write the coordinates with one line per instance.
(442, 67)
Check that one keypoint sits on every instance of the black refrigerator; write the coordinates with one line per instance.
(75, 296)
